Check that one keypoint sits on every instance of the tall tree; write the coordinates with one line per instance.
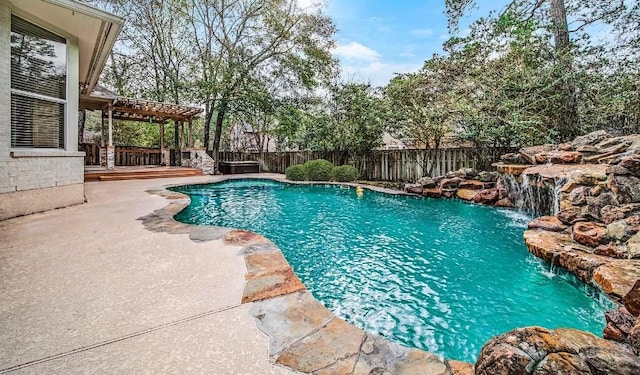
(552, 15)
(240, 41)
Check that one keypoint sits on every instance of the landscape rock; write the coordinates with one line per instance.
(450, 183)
(471, 185)
(469, 173)
(466, 194)
(432, 192)
(486, 196)
(586, 149)
(413, 188)
(448, 193)
(550, 223)
(634, 337)
(456, 174)
(488, 176)
(578, 196)
(631, 300)
(633, 246)
(626, 188)
(504, 202)
(618, 230)
(618, 170)
(558, 157)
(617, 277)
(529, 153)
(632, 164)
(590, 139)
(513, 159)
(426, 182)
(611, 250)
(612, 213)
(536, 350)
(621, 319)
(572, 215)
(595, 204)
(611, 332)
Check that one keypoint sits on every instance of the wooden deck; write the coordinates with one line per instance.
(97, 173)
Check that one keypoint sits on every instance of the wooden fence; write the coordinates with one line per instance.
(380, 165)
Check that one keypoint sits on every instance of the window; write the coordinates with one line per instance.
(38, 86)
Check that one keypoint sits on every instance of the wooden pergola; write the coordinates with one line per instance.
(114, 107)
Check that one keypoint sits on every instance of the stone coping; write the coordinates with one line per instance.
(303, 334)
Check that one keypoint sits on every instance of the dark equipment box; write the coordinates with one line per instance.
(238, 167)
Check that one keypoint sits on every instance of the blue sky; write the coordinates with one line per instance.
(377, 38)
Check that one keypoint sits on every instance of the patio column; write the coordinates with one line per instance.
(191, 133)
(103, 142)
(110, 148)
(163, 156)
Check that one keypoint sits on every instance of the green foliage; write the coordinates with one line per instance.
(318, 170)
(353, 120)
(296, 172)
(344, 173)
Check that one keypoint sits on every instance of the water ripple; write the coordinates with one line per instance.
(439, 275)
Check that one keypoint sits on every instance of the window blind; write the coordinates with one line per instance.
(38, 86)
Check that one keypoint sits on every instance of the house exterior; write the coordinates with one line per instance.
(51, 53)
(243, 138)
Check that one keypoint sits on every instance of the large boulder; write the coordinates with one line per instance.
(589, 234)
(631, 300)
(611, 250)
(611, 213)
(536, 350)
(578, 196)
(559, 157)
(631, 164)
(451, 183)
(633, 246)
(413, 188)
(529, 153)
(622, 230)
(572, 215)
(550, 223)
(486, 196)
(512, 159)
(590, 139)
(471, 185)
(626, 188)
(488, 176)
(432, 192)
(619, 324)
(466, 194)
(426, 182)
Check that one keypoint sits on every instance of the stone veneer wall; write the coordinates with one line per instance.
(34, 180)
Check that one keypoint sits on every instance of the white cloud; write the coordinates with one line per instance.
(356, 51)
(377, 72)
(421, 32)
(308, 4)
(361, 63)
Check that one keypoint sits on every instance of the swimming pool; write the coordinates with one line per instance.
(439, 275)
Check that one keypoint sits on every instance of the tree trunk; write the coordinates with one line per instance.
(207, 128)
(568, 124)
(218, 133)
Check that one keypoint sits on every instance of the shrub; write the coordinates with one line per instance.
(295, 172)
(344, 173)
(318, 170)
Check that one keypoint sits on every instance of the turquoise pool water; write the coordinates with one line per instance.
(439, 275)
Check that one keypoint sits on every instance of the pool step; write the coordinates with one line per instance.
(150, 173)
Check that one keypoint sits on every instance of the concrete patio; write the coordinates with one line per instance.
(87, 289)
